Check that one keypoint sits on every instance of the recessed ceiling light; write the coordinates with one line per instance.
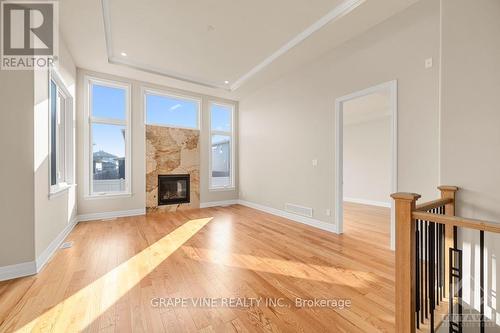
(123, 54)
(226, 82)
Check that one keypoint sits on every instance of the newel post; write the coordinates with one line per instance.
(405, 261)
(448, 192)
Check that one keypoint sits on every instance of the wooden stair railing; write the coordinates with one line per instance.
(429, 262)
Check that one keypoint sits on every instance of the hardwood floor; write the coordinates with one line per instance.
(107, 280)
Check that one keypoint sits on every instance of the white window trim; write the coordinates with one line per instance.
(69, 123)
(211, 132)
(59, 189)
(89, 120)
(165, 93)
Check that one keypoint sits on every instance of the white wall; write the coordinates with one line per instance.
(30, 220)
(470, 130)
(17, 239)
(288, 123)
(137, 200)
(52, 215)
(367, 160)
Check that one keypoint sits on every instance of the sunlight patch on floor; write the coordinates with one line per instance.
(321, 273)
(86, 305)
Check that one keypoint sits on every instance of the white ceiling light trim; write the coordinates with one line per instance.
(107, 28)
(159, 71)
(343, 9)
(112, 59)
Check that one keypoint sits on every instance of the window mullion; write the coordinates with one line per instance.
(215, 132)
(61, 138)
(108, 121)
(57, 130)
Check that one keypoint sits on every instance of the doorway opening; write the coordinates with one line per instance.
(366, 155)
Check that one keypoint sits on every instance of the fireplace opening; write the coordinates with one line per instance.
(173, 189)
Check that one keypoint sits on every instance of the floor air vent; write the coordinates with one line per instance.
(299, 210)
(66, 245)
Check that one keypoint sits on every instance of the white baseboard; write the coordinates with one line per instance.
(33, 267)
(218, 203)
(44, 258)
(294, 217)
(110, 215)
(368, 202)
(17, 271)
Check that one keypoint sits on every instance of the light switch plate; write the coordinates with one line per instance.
(428, 63)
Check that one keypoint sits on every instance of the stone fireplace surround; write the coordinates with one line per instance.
(172, 151)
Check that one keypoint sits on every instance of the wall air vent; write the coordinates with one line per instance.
(299, 210)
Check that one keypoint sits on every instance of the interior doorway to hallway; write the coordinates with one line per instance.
(366, 155)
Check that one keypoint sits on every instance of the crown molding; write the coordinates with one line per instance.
(341, 10)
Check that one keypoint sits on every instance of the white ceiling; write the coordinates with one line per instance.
(208, 41)
(199, 44)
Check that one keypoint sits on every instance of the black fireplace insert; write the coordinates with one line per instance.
(173, 189)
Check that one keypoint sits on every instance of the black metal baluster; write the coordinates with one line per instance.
(421, 271)
(417, 264)
(426, 267)
(444, 260)
(443, 237)
(441, 260)
(451, 318)
(434, 254)
(431, 273)
(438, 262)
(460, 308)
(481, 276)
(455, 271)
(455, 284)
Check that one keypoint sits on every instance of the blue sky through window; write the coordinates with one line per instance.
(108, 138)
(221, 117)
(171, 111)
(108, 102)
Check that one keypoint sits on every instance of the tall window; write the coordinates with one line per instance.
(221, 149)
(171, 111)
(109, 133)
(60, 120)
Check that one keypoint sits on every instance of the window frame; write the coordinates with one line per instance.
(165, 93)
(88, 138)
(232, 185)
(67, 179)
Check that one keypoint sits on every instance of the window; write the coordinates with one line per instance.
(109, 135)
(61, 138)
(172, 111)
(221, 148)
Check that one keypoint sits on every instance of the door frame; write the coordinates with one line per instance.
(392, 87)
